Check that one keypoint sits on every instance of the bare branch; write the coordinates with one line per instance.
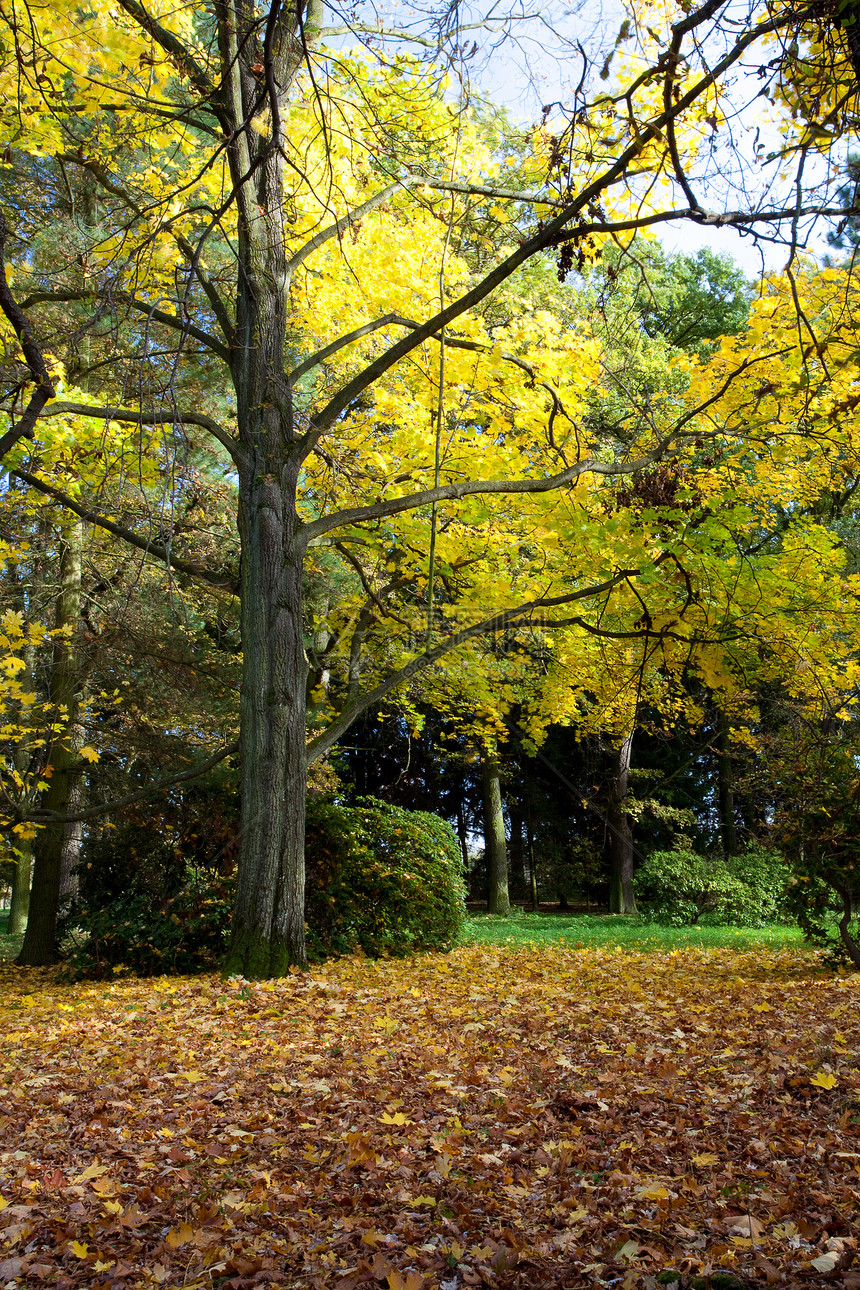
(470, 488)
(156, 315)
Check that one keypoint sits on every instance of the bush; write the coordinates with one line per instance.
(381, 880)
(155, 890)
(678, 888)
(155, 893)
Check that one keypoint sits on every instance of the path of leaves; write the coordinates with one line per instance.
(530, 1118)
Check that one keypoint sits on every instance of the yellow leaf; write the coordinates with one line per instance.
(422, 1200)
(180, 1235)
(398, 1118)
(80, 1250)
(824, 1080)
(89, 753)
(3, 1203)
(99, 1266)
(91, 1171)
(762, 1007)
(706, 1158)
(653, 1191)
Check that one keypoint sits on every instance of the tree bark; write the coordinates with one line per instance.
(621, 898)
(463, 836)
(20, 903)
(40, 939)
(268, 930)
(499, 901)
(516, 849)
(725, 787)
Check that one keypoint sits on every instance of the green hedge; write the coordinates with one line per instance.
(678, 888)
(381, 880)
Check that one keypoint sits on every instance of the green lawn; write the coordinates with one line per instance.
(583, 930)
(578, 930)
(9, 945)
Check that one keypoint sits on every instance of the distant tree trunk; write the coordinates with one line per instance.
(72, 833)
(40, 940)
(621, 898)
(725, 787)
(463, 836)
(515, 849)
(499, 901)
(533, 880)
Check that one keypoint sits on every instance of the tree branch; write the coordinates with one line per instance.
(538, 242)
(327, 738)
(91, 812)
(220, 580)
(44, 389)
(140, 417)
(171, 45)
(157, 315)
(469, 488)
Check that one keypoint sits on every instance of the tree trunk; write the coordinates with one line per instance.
(73, 833)
(516, 851)
(533, 880)
(725, 787)
(268, 931)
(20, 902)
(40, 940)
(494, 837)
(463, 836)
(621, 898)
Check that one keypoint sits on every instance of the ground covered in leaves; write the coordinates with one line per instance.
(509, 1118)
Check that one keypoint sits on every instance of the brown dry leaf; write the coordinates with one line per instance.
(531, 1115)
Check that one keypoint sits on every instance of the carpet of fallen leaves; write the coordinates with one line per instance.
(524, 1118)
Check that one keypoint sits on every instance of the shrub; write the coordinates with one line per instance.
(155, 890)
(680, 887)
(381, 880)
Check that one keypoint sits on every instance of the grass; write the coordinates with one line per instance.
(9, 945)
(621, 931)
(577, 930)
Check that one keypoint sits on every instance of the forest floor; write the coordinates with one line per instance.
(505, 1115)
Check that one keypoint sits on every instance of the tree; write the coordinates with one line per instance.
(252, 177)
